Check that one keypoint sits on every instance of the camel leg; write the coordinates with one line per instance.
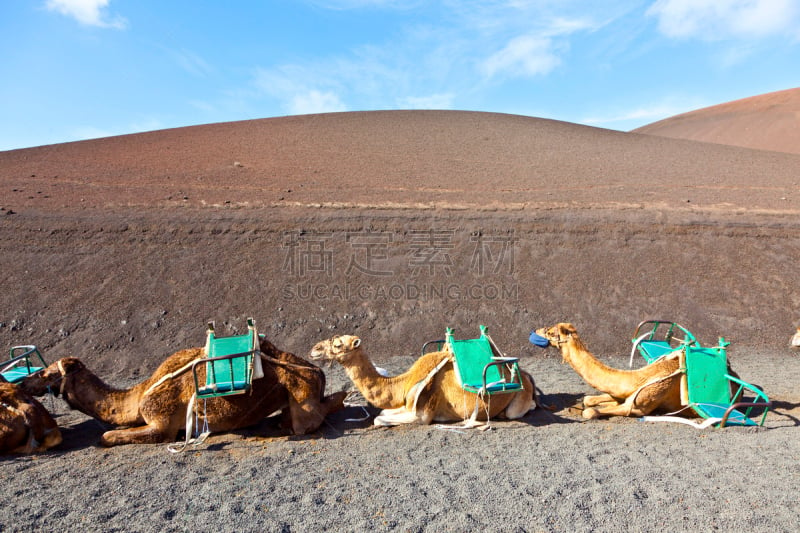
(523, 401)
(612, 409)
(43, 430)
(591, 401)
(641, 404)
(333, 402)
(139, 435)
(308, 415)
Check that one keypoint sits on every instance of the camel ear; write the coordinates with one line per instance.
(356, 343)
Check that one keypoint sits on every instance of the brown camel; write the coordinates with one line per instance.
(25, 425)
(639, 392)
(427, 392)
(796, 339)
(155, 409)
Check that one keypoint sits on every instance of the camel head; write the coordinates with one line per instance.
(337, 348)
(796, 339)
(560, 334)
(52, 377)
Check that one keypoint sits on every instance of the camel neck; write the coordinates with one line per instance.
(593, 371)
(378, 390)
(92, 396)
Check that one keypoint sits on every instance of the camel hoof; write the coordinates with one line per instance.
(590, 413)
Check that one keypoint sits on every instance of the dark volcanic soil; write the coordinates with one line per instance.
(393, 225)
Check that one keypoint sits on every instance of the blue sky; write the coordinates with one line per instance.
(78, 69)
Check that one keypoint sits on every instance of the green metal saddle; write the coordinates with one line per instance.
(706, 385)
(707, 388)
(229, 363)
(480, 367)
(21, 365)
(656, 338)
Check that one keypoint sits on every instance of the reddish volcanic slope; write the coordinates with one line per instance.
(765, 122)
(405, 159)
(392, 225)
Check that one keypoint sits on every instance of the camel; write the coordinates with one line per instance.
(796, 339)
(25, 425)
(425, 393)
(639, 392)
(156, 409)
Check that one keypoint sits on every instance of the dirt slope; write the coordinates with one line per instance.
(764, 122)
(393, 226)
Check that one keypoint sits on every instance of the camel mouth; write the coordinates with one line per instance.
(317, 354)
(37, 386)
(539, 340)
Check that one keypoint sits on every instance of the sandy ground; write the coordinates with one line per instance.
(394, 226)
(546, 472)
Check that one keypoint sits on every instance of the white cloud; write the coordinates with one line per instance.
(433, 101)
(315, 101)
(360, 4)
(87, 12)
(634, 118)
(146, 124)
(82, 133)
(300, 90)
(532, 37)
(527, 55)
(191, 62)
(438, 64)
(722, 19)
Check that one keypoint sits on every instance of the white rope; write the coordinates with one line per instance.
(636, 345)
(471, 422)
(360, 419)
(679, 419)
(631, 400)
(169, 376)
(177, 447)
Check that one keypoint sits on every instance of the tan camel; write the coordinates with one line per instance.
(425, 393)
(639, 392)
(25, 425)
(796, 339)
(155, 409)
